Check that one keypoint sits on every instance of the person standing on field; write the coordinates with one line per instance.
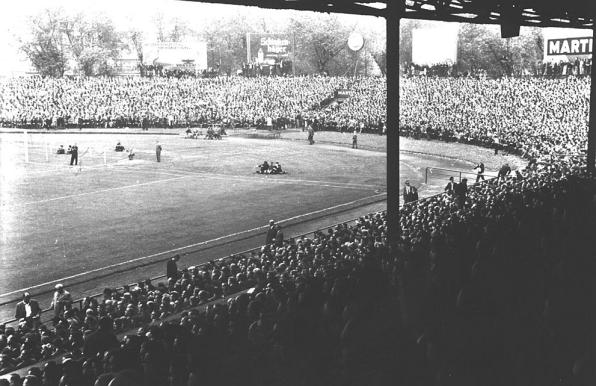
(311, 135)
(74, 155)
(158, 151)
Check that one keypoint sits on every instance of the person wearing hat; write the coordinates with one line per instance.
(62, 299)
(172, 268)
(28, 309)
(410, 193)
(271, 233)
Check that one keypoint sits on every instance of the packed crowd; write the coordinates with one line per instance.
(164, 102)
(364, 110)
(529, 117)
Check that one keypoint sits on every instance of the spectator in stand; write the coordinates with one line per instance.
(101, 340)
(450, 187)
(172, 268)
(504, 172)
(461, 191)
(480, 175)
(410, 193)
(28, 309)
(62, 301)
(279, 236)
(271, 232)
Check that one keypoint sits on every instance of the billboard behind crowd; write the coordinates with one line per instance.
(435, 45)
(566, 44)
(176, 54)
(268, 48)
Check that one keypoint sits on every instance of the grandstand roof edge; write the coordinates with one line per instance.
(532, 13)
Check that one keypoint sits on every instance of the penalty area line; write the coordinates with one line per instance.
(179, 249)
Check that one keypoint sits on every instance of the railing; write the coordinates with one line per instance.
(446, 173)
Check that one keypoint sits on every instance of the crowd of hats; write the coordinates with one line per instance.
(169, 102)
(119, 102)
(529, 116)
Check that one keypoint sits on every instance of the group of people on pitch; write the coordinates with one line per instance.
(270, 168)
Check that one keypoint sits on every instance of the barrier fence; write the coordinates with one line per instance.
(444, 174)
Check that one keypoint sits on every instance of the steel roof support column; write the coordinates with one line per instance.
(406, 292)
(392, 19)
(592, 124)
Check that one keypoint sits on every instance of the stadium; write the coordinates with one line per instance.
(192, 216)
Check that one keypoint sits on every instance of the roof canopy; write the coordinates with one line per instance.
(540, 13)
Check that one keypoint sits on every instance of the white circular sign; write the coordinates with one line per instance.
(355, 41)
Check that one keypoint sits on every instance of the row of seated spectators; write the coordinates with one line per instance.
(497, 292)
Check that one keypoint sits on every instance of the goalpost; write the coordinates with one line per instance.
(42, 149)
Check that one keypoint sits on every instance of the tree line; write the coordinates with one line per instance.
(480, 48)
(59, 41)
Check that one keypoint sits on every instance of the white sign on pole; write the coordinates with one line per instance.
(436, 45)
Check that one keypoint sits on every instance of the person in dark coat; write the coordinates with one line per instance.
(101, 340)
(504, 172)
(271, 233)
(279, 237)
(461, 191)
(74, 155)
(172, 268)
(450, 187)
(480, 175)
(311, 135)
(158, 151)
(410, 193)
(27, 308)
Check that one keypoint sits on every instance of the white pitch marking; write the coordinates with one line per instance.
(185, 247)
(102, 191)
(284, 180)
